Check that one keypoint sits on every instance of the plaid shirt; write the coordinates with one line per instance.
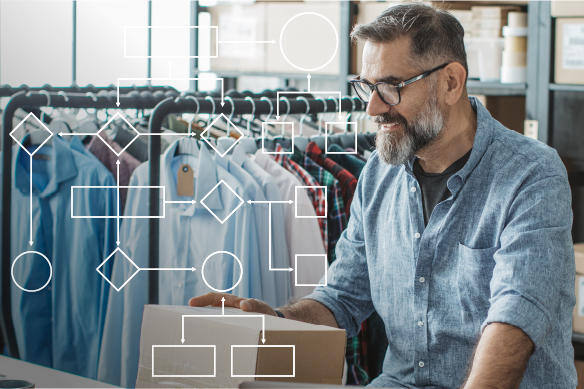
(347, 180)
(317, 196)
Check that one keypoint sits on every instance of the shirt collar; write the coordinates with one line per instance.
(205, 173)
(61, 163)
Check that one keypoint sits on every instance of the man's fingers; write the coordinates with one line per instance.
(253, 305)
(215, 300)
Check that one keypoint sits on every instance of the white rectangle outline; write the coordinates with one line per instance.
(326, 131)
(293, 346)
(296, 202)
(264, 137)
(278, 93)
(214, 347)
(121, 187)
(310, 255)
(172, 56)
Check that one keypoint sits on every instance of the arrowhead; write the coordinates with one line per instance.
(193, 269)
(118, 162)
(290, 269)
(249, 201)
(30, 242)
(290, 201)
(308, 75)
(277, 117)
(118, 242)
(263, 340)
(222, 299)
(222, 103)
(182, 340)
(61, 133)
(117, 103)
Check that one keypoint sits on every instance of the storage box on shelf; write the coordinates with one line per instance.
(569, 55)
(572, 8)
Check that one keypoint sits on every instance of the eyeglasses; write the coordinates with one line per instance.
(388, 93)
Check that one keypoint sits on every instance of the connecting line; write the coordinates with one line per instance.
(180, 202)
(30, 241)
(77, 133)
(263, 317)
(169, 79)
(118, 202)
(302, 92)
(167, 269)
(270, 230)
(308, 79)
(244, 42)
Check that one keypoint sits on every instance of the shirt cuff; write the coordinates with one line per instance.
(343, 320)
(521, 313)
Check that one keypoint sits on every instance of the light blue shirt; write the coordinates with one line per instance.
(499, 249)
(188, 234)
(61, 325)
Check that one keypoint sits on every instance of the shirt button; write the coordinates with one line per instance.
(420, 323)
(413, 189)
(417, 235)
(421, 279)
(421, 363)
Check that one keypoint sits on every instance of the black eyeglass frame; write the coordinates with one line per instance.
(398, 86)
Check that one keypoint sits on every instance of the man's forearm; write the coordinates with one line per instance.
(500, 358)
(310, 311)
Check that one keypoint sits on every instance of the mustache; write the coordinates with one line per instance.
(386, 118)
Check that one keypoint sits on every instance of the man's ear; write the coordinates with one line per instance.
(452, 79)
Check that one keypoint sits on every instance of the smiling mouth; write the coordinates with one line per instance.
(389, 126)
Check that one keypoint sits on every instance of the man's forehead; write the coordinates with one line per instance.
(386, 61)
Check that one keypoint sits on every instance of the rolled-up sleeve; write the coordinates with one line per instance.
(347, 292)
(533, 278)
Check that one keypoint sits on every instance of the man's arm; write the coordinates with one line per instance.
(500, 358)
(306, 310)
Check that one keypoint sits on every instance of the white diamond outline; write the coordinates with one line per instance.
(229, 123)
(107, 259)
(120, 116)
(43, 127)
(241, 202)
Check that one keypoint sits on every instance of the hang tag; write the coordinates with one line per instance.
(185, 181)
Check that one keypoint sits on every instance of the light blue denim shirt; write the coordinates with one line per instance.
(499, 249)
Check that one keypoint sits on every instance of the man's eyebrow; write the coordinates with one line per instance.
(389, 79)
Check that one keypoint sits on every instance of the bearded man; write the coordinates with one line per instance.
(460, 229)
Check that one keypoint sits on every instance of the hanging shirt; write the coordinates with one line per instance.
(498, 249)
(302, 233)
(349, 161)
(188, 234)
(61, 325)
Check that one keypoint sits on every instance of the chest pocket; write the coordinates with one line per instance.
(474, 273)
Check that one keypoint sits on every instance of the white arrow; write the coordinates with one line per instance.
(30, 241)
(167, 269)
(308, 77)
(244, 42)
(118, 202)
(263, 317)
(222, 305)
(270, 201)
(77, 133)
(180, 202)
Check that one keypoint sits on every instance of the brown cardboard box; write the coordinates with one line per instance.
(578, 316)
(569, 56)
(571, 8)
(580, 372)
(223, 350)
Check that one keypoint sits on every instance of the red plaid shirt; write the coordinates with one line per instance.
(346, 179)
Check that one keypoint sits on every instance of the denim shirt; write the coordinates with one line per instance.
(499, 249)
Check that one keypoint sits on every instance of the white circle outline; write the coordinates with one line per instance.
(240, 271)
(317, 67)
(31, 290)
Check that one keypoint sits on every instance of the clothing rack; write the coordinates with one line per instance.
(262, 105)
(7, 90)
(144, 99)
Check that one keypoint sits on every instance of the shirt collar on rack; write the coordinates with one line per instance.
(61, 166)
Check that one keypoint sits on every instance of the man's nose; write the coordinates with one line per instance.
(376, 106)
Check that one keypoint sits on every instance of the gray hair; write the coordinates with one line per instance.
(435, 34)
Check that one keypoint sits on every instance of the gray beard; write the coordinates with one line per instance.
(398, 148)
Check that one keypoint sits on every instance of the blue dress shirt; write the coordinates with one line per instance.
(499, 249)
(61, 325)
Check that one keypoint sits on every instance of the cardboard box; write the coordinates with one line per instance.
(569, 56)
(570, 8)
(578, 315)
(580, 372)
(226, 349)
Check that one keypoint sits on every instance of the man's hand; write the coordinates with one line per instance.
(500, 358)
(245, 304)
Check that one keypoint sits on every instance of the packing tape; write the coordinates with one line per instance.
(516, 43)
(513, 74)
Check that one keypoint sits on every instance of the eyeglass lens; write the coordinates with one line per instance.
(389, 93)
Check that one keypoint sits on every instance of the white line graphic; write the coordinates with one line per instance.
(167, 269)
(270, 230)
(30, 241)
(258, 346)
(308, 77)
(180, 202)
(303, 92)
(118, 201)
(263, 317)
(212, 346)
(247, 42)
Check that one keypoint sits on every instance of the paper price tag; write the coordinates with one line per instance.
(185, 181)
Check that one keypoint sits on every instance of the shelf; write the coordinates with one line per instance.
(577, 337)
(567, 88)
(495, 88)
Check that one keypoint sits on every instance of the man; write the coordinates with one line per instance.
(459, 234)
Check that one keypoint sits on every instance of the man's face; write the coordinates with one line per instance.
(411, 125)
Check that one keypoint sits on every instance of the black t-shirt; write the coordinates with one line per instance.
(433, 185)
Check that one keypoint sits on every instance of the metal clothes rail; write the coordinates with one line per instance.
(134, 100)
(8, 90)
(265, 105)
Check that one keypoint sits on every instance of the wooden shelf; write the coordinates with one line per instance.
(566, 88)
(495, 88)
